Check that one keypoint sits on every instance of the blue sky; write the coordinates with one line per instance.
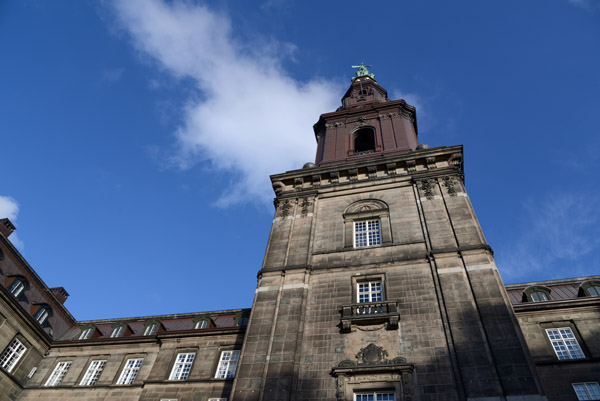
(137, 136)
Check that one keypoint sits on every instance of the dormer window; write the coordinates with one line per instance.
(151, 329)
(364, 141)
(18, 285)
(117, 331)
(589, 289)
(42, 314)
(86, 333)
(536, 294)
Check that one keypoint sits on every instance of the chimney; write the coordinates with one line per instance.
(6, 227)
(60, 293)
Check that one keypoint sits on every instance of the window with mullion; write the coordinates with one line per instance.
(130, 371)
(593, 290)
(369, 291)
(12, 354)
(58, 374)
(375, 396)
(151, 329)
(93, 373)
(17, 287)
(117, 331)
(367, 233)
(227, 364)
(183, 366)
(564, 343)
(587, 391)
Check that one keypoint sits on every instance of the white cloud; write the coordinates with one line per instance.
(412, 99)
(10, 208)
(560, 235)
(250, 118)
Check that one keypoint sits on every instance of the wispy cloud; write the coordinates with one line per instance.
(587, 4)
(559, 236)
(250, 118)
(10, 208)
(112, 75)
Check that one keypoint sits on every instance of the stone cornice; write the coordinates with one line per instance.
(583, 302)
(419, 164)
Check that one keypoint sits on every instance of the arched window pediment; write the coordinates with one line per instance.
(366, 207)
(536, 294)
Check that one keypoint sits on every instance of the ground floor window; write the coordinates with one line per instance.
(374, 396)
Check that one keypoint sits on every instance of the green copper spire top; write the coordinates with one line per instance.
(362, 71)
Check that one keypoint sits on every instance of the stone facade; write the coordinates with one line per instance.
(377, 279)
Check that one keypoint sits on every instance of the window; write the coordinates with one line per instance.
(58, 374)
(375, 396)
(367, 233)
(369, 292)
(227, 364)
(241, 321)
(182, 366)
(217, 399)
(538, 296)
(12, 354)
(364, 141)
(117, 331)
(151, 329)
(589, 289)
(130, 371)
(201, 324)
(17, 286)
(86, 333)
(587, 391)
(593, 290)
(564, 343)
(93, 373)
(42, 314)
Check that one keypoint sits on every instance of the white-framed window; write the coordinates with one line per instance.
(564, 343)
(151, 329)
(130, 371)
(17, 287)
(183, 365)
(227, 364)
(93, 373)
(12, 354)
(374, 396)
(42, 314)
(201, 324)
(587, 391)
(367, 233)
(117, 331)
(86, 333)
(58, 374)
(217, 399)
(369, 291)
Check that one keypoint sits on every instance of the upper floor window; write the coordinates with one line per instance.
(536, 294)
(42, 314)
(227, 364)
(183, 366)
(564, 343)
(369, 291)
(151, 329)
(375, 396)
(241, 321)
(587, 391)
(18, 285)
(58, 374)
(364, 141)
(12, 354)
(93, 373)
(117, 331)
(86, 333)
(589, 289)
(130, 371)
(367, 233)
(201, 324)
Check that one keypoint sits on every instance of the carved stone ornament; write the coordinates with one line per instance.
(371, 354)
(334, 177)
(278, 187)
(391, 169)
(450, 183)
(316, 180)
(431, 164)
(366, 206)
(353, 175)
(284, 209)
(372, 172)
(411, 166)
(298, 182)
(427, 187)
(305, 206)
(455, 159)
